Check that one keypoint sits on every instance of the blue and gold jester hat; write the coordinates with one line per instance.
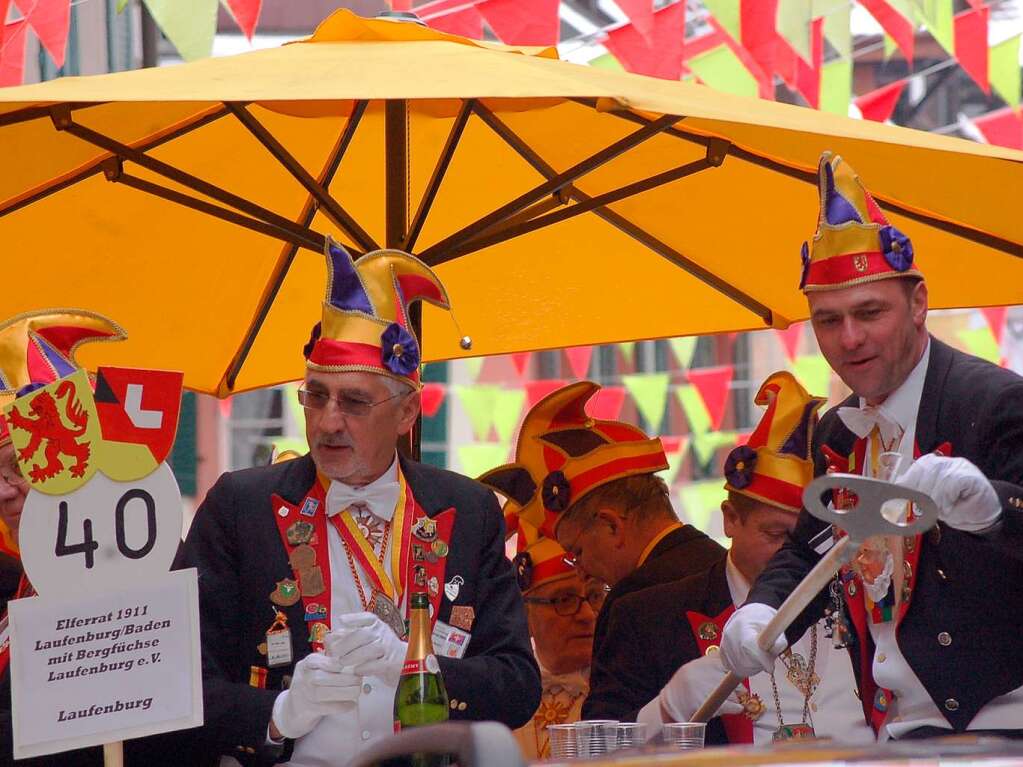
(365, 325)
(854, 242)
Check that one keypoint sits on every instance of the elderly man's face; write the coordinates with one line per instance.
(564, 643)
(350, 447)
(13, 489)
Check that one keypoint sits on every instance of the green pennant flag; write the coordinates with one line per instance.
(507, 408)
(628, 349)
(793, 23)
(683, 349)
(189, 26)
(1003, 70)
(727, 14)
(481, 457)
(707, 444)
(814, 373)
(837, 24)
(473, 366)
(122, 4)
(722, 70)
(938, 16)
(836, 86)
(675, 460)
(295, 409)
(694, 408)
(981, 342)
(650, 391)
(607, 61)
(479, 402)
(700, 500)
(890, 46)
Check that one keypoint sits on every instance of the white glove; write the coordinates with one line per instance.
(368, 646)
(689, 687)
(318, 687)
(966, 500)
(739, 649)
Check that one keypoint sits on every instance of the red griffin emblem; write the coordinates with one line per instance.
(60, 439)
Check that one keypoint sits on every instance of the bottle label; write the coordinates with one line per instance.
(428, 664)
(431, 664)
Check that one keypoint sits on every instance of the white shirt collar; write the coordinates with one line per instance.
(380, 495)
(903, 404)
(738, 586)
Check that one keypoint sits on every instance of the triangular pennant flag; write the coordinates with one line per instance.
(607, 61)
(50, 20)
(641, 14)
(705, 446)
(878, 105)
(790, 338)
(700, 500)
(683, 349)
(723, 71)
(714, 385)
(1003, 127)
(481, 457)
(246, 14)
(607, 403)
(837, 24)
(971, 44)
(995, 316)
(650, 391)
(521, 362)
(537, 390)
(836, 86)
(757, 20)
(899, 23)
(793, 24)
(507, 408)
(455, 17)
(814, 373)
(727, 13)
(523, 22)
(675, 452)
(693, 407)
(432, 397)
(189, 26)
(746, 64)
(939, 17)
(1003, 70)
(890, 46)
(579, 360)
(473, 366)
(660, 55)
(12, 53)
(478, 401)
(225, 407)
(628, 350)
(981, 343)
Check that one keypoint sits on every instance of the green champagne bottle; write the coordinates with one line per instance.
(421, 698)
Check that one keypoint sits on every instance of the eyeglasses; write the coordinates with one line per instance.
(570, 604)
(315, 400)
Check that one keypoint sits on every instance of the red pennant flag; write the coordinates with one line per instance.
(401, 5)
(1002, 127)
(757, 25)
(661, 55)
(12, 53)
(607, 403)
(225, 408)
(671, 444)
(808, 79)
(579, 360)
(521, 362)
(995, 316)
(523, 22)
(50, 20)
(441, 15)
(537, 390)
(714, 386)
(790, 339)
(898, 27)
(246, 13)
(432, 397)
(641, 14)
(878, 105)
(971, 44)
(765, 83)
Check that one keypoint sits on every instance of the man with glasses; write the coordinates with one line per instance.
(306, 566)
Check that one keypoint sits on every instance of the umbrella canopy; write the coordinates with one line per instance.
(562, 205)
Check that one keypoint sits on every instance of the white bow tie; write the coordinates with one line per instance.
(861, 421)
(379, 498)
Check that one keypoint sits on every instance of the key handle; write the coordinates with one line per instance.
(864, 520)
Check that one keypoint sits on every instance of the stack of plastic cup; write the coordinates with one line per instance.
(597, 736)
(685, 735)
(564, 740)
(631, 734)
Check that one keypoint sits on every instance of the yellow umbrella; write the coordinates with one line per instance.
(564, 205)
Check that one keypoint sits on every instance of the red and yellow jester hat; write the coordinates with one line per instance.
(562, 454)
(775, 463)
(365, 325)
(538, 559)
(854, 242)
(38, 348)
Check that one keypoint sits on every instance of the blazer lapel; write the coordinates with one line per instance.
(938, 366)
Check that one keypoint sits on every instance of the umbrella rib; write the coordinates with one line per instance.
(287, 257)
(38, 113)
(96, 166)
(331, 207)
(64, 122)
(628, 227)
(454, 136)
(552, 185)
(992, 241)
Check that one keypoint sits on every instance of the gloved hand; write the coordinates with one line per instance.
(689, 687)
(966, 500)
(366, 645)
(318, 687)
(739, 650)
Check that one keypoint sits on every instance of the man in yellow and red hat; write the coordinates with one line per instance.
(306, 566)
(679, 625)
(936, 648)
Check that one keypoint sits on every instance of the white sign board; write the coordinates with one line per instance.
(93, 669)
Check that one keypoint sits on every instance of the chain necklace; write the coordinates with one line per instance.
(803, 678)
(355, 573)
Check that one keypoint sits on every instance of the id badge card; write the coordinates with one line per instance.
(278, 648)
(449, 641)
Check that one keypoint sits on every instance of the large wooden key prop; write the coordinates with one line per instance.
(862, 521)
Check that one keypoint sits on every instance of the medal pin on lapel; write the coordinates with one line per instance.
(452, 587)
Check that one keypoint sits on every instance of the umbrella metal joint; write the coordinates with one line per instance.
(60, 114)
(113, 168)
(717, 151)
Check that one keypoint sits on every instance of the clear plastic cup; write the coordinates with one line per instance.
(685, 735)
(597, 736)
(631, 734)
(564, 740)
